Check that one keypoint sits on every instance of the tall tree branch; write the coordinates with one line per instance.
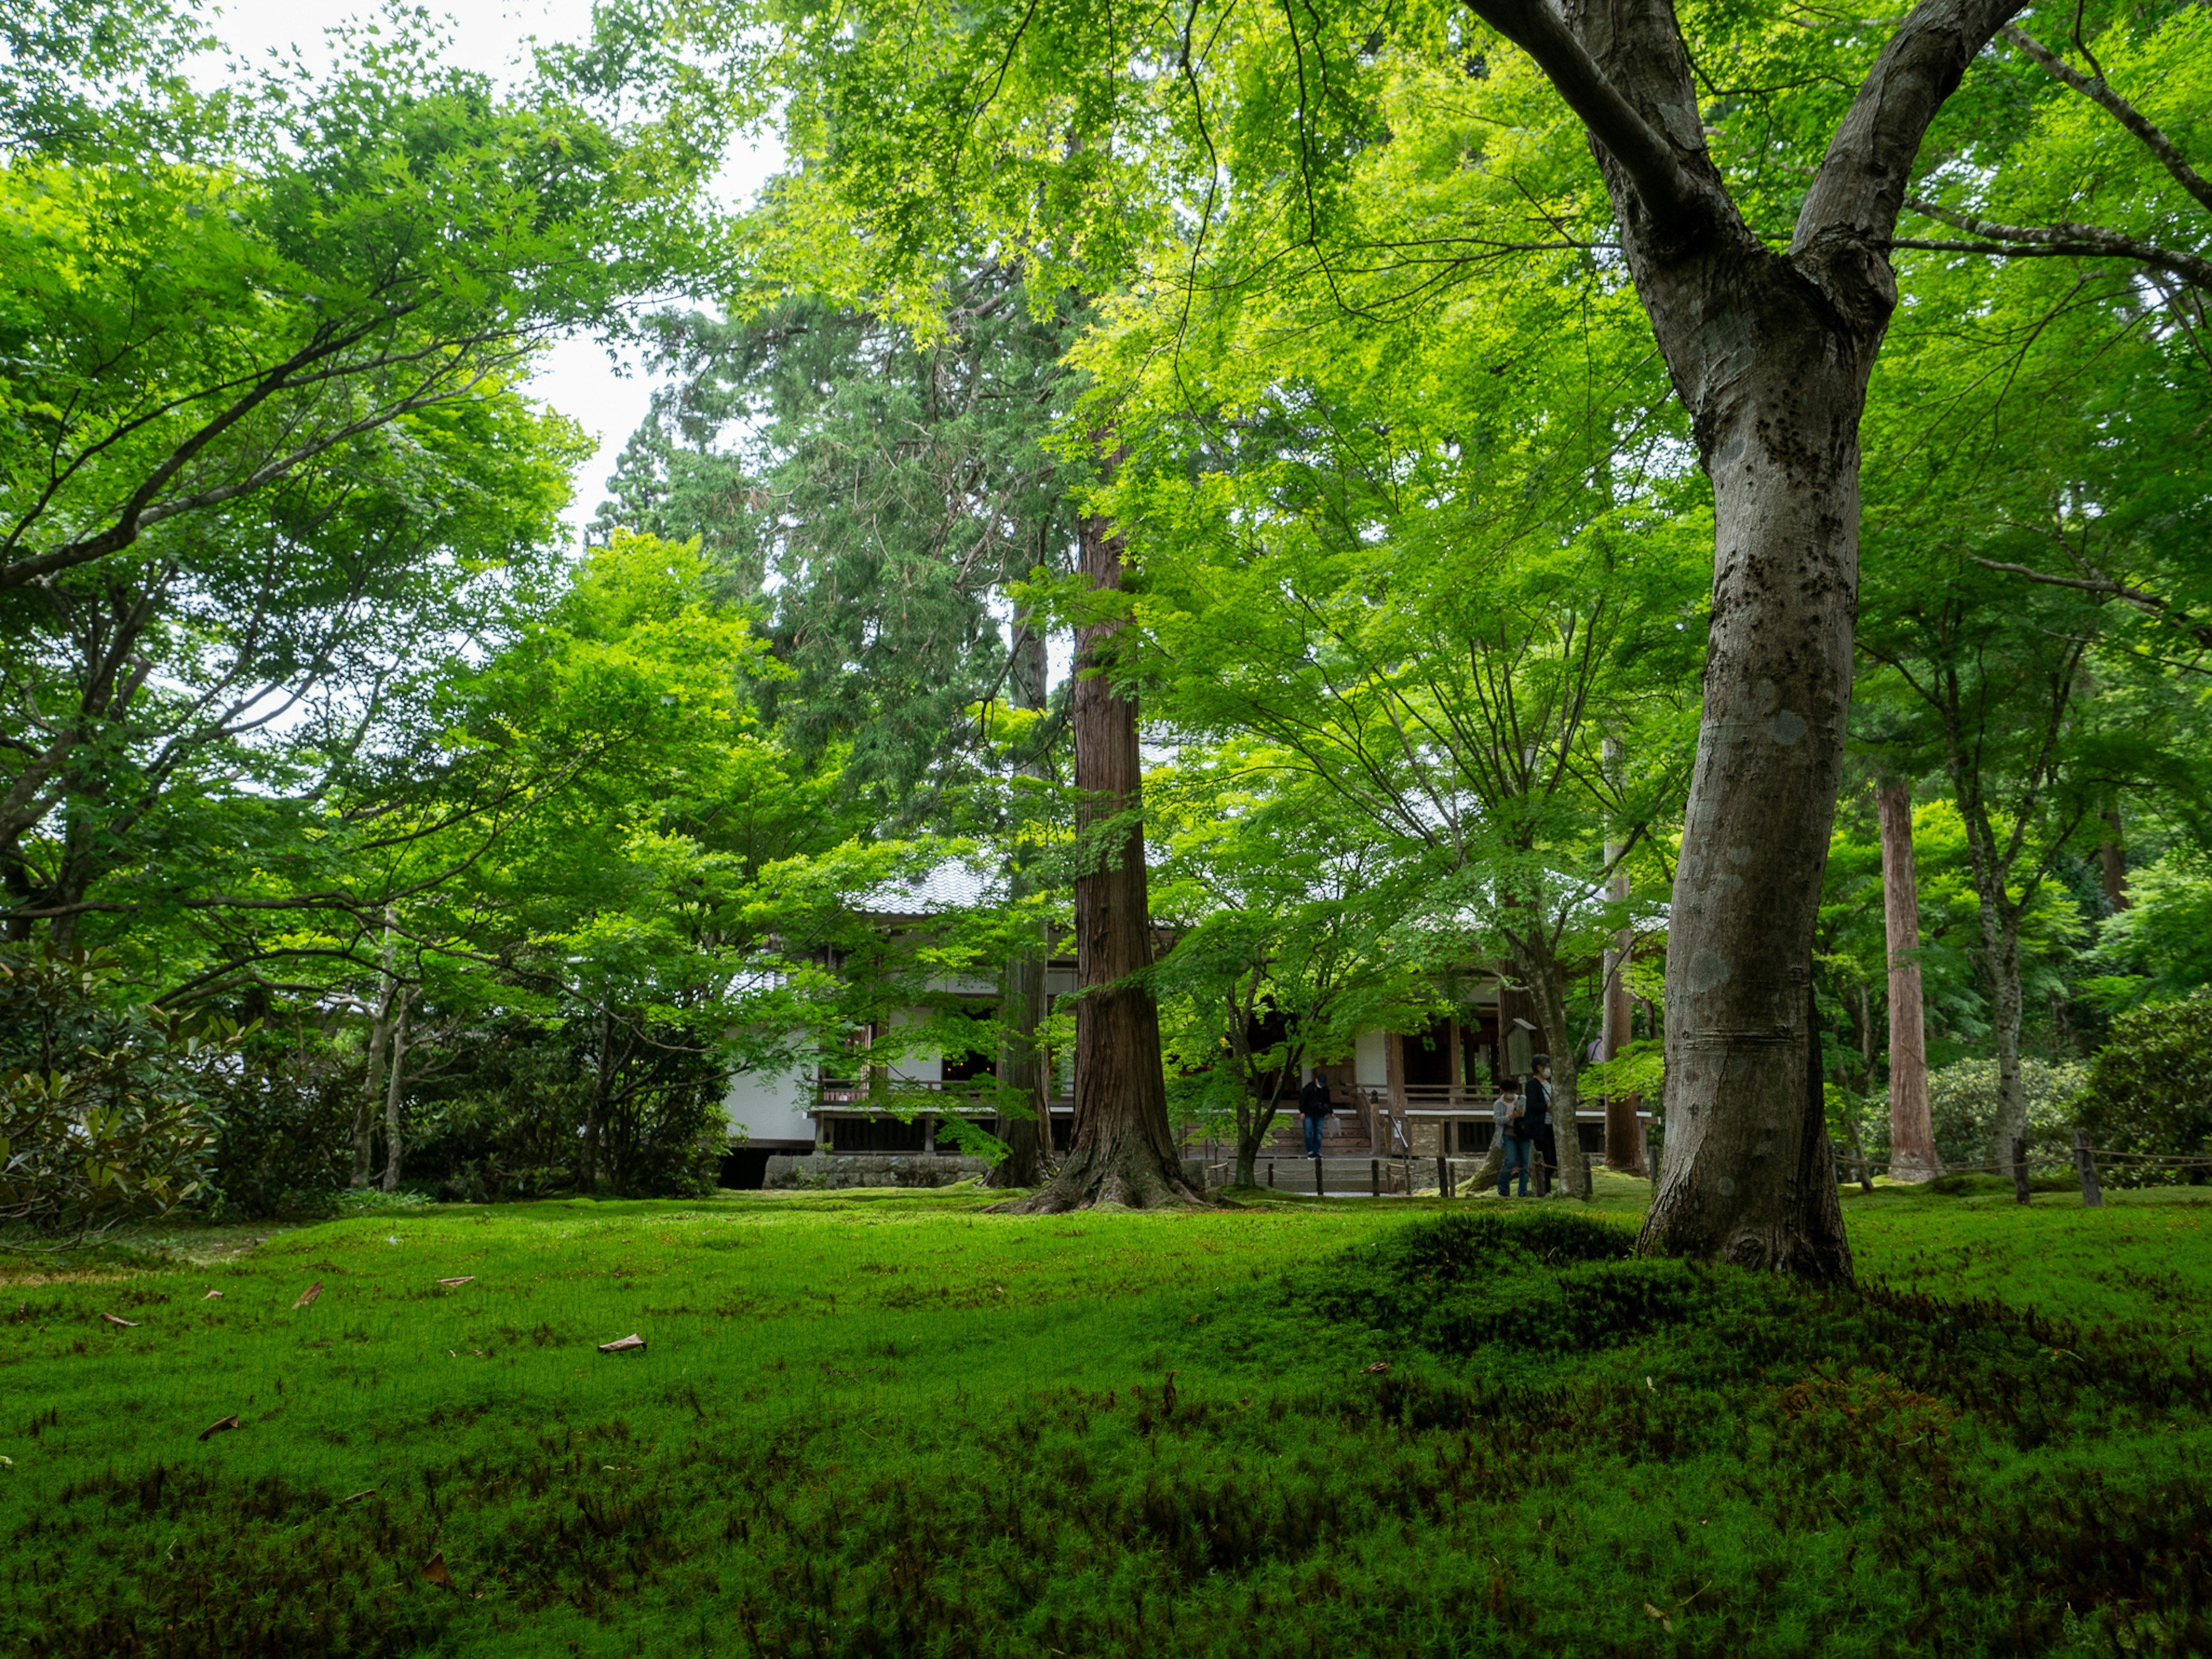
(2095, 89)
(1678, 201)
(2063, 239)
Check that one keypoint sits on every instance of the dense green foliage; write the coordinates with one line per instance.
(890, 1424)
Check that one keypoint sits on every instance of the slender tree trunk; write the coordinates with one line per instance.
(1547, 984)
(1912, 1130)
(395, 1097)
(1255, 1123)
(2001, 944)
(2112, 864)
(1021, 1070)
(595, 1109)
(1123, 1150)
(371, 1097)
(372, 1091)
(1624, 1133)
(1021, 1073)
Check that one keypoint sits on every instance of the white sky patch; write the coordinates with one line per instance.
(607, 397)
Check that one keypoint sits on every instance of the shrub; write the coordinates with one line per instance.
(2149, 1089)
(284, 1145)
(1962, 1099)
(105, 1107)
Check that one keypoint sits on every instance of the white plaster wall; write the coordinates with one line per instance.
(772, 1105)
(916, 1068)
(1372, 1058)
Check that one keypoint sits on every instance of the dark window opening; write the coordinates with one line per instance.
(1063, 1133)
(875, 1134)
(1428, 1056)
(982, 1061)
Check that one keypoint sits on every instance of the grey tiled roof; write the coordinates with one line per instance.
(952, 885)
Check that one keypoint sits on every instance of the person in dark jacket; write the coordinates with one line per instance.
(1536, 1112)
(1316, 1107)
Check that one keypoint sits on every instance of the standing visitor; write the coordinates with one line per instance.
(1314, 1105)
(1536, 1112)
(1512, 1137)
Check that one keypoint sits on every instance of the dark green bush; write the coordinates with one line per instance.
(106, 1107)
(2149, 1089)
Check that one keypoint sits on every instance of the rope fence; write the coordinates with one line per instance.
(1452, 1172)
(2083, 1163)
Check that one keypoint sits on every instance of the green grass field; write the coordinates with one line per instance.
(890, 1424)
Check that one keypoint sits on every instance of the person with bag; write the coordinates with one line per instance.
(1315, 1106)
(1512, 1137)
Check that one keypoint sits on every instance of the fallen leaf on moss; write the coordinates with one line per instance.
(435, 1572)
(309, 1294)
(218, 1426)
(622, 1344)
(128, 1324)
(466, 1278)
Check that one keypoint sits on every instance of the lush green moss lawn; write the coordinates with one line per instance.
(888, 1424)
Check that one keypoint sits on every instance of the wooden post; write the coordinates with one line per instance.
(2084, 1160)
(1271, 1174)
(1317, 1191)
(1375, 1177)
(1651, 1161)
(1443, 1178)
(2020, 1168)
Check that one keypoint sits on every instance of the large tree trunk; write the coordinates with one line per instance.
(1912, 1131)
(1746, 1177)
(1769, 352)
(1021, 1069)
(395, 1099)
(1123, 1151)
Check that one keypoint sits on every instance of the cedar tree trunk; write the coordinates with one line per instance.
(1123, 1151)
(1770, 350)
(1021, 1067)
(1912, 1130)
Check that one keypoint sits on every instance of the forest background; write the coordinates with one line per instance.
(355, 829)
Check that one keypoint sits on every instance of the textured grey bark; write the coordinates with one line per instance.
(1912, 1130)
(1123, 1151)
(1770, 352)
